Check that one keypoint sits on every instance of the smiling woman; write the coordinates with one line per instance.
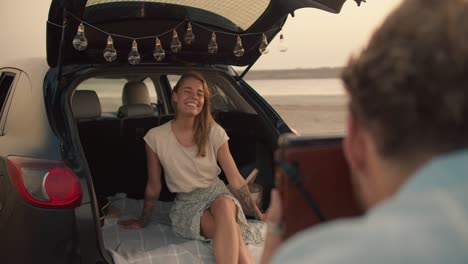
(189, 149)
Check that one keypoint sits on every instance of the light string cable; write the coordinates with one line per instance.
(81, 43)
(168, 31)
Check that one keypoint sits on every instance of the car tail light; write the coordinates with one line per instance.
(45, 183)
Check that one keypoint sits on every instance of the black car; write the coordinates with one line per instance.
(71, 125)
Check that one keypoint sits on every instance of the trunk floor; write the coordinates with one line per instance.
(156, 243)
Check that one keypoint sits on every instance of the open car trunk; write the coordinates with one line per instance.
(115, 153)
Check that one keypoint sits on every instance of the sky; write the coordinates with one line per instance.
(314, 38)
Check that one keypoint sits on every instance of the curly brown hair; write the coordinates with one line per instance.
(204, 120)
(409, 86)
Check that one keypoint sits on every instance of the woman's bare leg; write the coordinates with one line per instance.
(207, 224)
(245, 256)
(208, 229)
(225, 235)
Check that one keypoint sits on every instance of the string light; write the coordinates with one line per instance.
(263, 48)
(110, 54)
(79, 41)
(213, 46)
(176, 46)
(189, 37)
(134, 56)
(158, 53)
(238, 49)
(282, 45)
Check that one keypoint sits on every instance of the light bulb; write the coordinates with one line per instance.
(213, 46)
(238, 49)
(263, 48)
(282, 45)
(79, 41)
(176, 46)
(134, 56)
(110, 54)
(159, 53)
(189, 37)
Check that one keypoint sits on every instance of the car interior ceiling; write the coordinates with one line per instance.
(115, 149)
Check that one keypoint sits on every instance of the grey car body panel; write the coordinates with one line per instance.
(27, 133)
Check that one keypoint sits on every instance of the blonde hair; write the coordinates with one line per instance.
(204, 119)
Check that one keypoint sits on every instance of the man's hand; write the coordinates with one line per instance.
(274, 231)
(262, 216)
(274, 213)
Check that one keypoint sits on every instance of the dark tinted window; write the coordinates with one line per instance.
(5, 83)
(219, 100)
(109, 91)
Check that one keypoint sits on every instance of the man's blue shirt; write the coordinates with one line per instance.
(425, 222)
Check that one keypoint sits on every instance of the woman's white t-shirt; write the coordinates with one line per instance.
(184, 169)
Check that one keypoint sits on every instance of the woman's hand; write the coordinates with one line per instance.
(132, 223)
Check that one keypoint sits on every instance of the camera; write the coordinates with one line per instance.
(314, 181)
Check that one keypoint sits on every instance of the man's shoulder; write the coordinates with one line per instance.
(393, 232)
(356, 240)
(330, 240)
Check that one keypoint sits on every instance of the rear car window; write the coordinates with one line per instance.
(109, 91)
(6, 79)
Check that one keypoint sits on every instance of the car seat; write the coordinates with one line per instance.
(135, 101)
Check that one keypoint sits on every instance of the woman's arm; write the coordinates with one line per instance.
(153, 186)
(229, 167)
(152, 190)
(236, 181)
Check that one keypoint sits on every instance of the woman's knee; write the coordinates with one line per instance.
(223, 206)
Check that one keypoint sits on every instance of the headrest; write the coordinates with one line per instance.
(85, 104)
(135, 93)
(135, 110)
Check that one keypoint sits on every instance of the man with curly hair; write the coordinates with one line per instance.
(407, 146)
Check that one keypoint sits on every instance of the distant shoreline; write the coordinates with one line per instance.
(315, 73)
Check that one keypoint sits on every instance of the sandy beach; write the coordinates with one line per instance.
(308, 114)
(312, 114)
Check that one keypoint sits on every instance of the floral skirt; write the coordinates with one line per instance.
(188, 208)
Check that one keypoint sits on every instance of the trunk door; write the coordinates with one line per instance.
(143, 20)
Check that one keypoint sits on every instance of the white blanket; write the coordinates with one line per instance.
(156, 243)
